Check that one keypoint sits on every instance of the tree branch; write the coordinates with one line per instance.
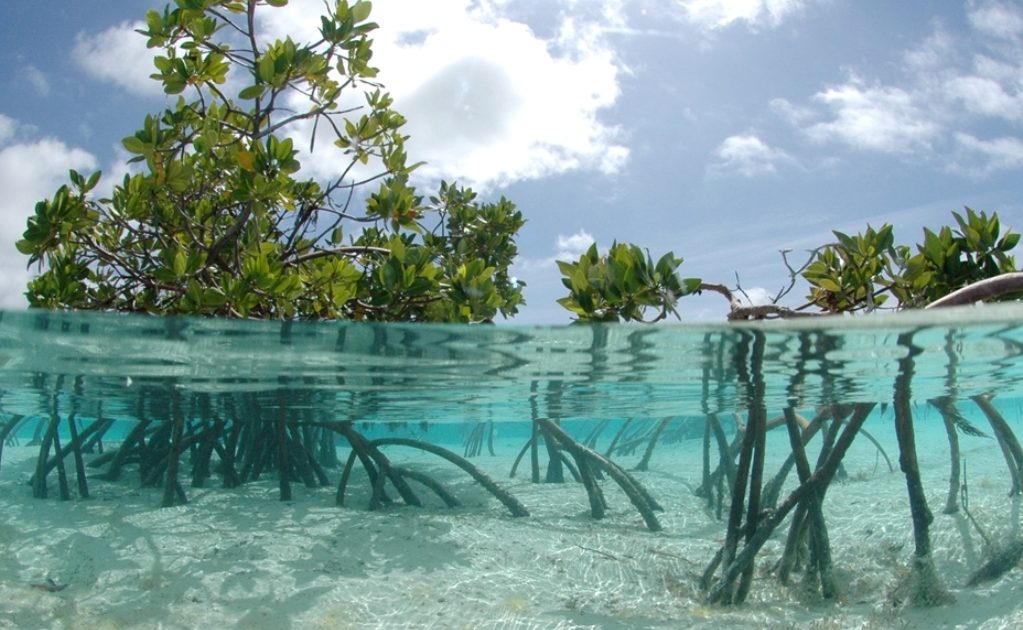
(996, 286)
(737, 311)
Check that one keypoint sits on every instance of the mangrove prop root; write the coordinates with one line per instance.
(474, 442)
(879, 448)
(644, 463)
(555, 471)
(772, 518)
(435, 486)
(228, 456)
(510, 502)
(308, 467)
(172, 491)
(202, 454)
(734, 529)
(618, 436)
(639, 497)
(67, 450)
(1006, 439)
(134, 437)
(598, 504)
(1000, 562)
(39, 489)
(371, 473)
(83, 485)
(726, 463)
(283, 456)
(705, 483)
(773, 488)
(518, 458)
(591, 439)
(944, 406)
(95, 442)
(65, 492)
(927, 589)
(819, 535)
(795, 545)
(534, 453)
(7, 430)
(576, 475)
(757, 426)
(382, 466)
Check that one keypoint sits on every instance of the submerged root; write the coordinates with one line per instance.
(1001, 561)
(922, 588)
(510, 502)
(589, 462)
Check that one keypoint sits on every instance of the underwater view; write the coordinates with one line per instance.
(829, 473)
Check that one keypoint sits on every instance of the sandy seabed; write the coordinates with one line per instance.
(240, 558)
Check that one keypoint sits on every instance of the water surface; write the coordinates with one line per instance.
(328, 371)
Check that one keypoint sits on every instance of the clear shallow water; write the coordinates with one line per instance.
(233, 382)
(105, 364)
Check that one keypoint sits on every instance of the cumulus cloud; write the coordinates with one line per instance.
(489, 101)
(748, 155)
(29, 172)
(955, 90)
(996, 18)
(986, 96)
(879, 118)
(935, 52)
(981, 157)
(118, 55)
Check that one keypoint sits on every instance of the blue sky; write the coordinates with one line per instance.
(723, 130)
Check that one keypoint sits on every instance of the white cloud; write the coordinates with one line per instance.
(573, 246)
(29, 172)
(7, 127)
(877, 118)
(714, 14)
(118, 55)
(758, 296)
(36, 79)
(997, 18)
(981, 157)
(488, 100)
(935, 52)
(566, 247)
(749, 156)
(981, 95)
(955, 88)
(793, 114)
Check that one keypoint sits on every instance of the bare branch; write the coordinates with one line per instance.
(737, 311)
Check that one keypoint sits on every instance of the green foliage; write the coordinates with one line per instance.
(856, 272)
(217, 221)
(844, 276)
(623, 284)
(953, 258)
(862, 271)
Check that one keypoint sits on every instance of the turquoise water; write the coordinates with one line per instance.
(440, 382)
(87, 396)
(105, 364)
